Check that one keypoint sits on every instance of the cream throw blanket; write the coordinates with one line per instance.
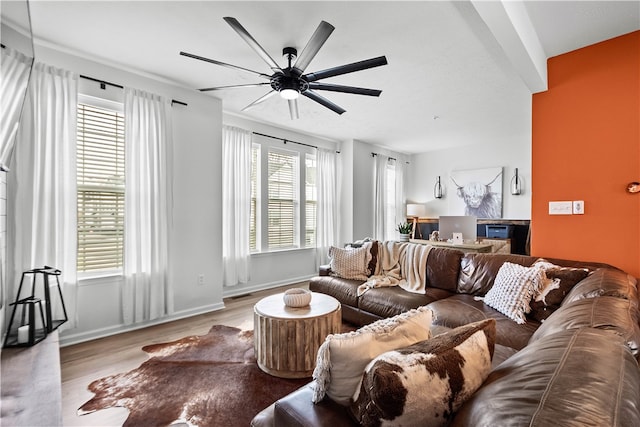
(399, 264)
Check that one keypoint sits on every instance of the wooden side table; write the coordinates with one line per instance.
(287, 339)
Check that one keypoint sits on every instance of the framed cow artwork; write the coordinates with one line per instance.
(478, 192)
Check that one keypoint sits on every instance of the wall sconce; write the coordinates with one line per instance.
(516, 184)
(437, 189)
(633, 187)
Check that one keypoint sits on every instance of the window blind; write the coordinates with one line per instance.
(100, 163)
(253, 216)
(283, 201)
(311, 195)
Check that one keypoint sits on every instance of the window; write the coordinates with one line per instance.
(282, 201)
(390, 199)
(100, 163)
(255, 191)
(283, 196)
(311, 201)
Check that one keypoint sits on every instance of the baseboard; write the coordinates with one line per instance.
(70, 339)
(234, 291)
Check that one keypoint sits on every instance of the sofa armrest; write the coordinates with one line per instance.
(296, 409)
(324, 270)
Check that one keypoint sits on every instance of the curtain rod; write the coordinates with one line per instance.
(287, 140)
(390, 158)
(103, 84)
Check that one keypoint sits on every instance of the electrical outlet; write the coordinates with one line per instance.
(578, 207)
(200, 279)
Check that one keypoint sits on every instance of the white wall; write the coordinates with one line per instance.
(357, 188)
(510, 153)
(197, 188)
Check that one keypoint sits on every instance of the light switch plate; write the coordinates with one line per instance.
(578, 207)
(560, 208)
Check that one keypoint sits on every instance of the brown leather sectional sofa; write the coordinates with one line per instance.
(577, 368)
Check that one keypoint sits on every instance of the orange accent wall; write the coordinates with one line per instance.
(586, 146)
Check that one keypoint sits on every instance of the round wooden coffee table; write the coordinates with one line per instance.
(287, 338)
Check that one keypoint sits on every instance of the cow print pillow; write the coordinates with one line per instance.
(425, 383)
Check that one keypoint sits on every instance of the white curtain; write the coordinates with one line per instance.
(380, 196)
(42, 184)
(326, 207)
(401, 214)
(14, 69)
(236, 204)
(147, 291)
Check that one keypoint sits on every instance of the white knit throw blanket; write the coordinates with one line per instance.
(399, 264)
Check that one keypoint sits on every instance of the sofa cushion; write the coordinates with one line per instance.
(350, 263)
(513, 289)
(443, 266)
(478, 271)
(611, 313)
(343, 357)
(561, 281)
(458, 310)
(344, 290)
(575, 378)
(605, 281)
(387, 302)
(425, 383)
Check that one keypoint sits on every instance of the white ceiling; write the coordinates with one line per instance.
(444, 61)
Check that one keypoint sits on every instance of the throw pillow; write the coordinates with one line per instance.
(514, 287)
(343, 357)
(349, 263)
(561, 281)
(426, 383)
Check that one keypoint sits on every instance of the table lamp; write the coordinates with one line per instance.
(415, 211)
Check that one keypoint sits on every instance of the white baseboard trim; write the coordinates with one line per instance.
(234, 291)
(70, 338)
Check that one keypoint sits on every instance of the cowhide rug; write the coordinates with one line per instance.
(208, 380)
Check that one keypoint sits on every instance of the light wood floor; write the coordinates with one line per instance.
(86, 362)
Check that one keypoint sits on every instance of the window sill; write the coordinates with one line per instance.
(98, 278)
(280, 251)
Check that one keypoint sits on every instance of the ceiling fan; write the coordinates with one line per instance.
(290, 82)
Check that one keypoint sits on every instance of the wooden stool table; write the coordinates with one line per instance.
(287, 338)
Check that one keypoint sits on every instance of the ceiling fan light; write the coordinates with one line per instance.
(289, 94)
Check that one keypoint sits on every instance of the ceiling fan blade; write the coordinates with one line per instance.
(224, 64)
(348, 68)
(324, 101)
(345, 89)
(252, 43)
(260, 100)
(293, 109)
(207, 89)
(316, 41)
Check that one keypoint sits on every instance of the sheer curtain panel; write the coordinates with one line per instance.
(236, 204)
(380, 196)
(400, 214)
(42, 185)
(147, 292)
(15, 68)
(326, 208)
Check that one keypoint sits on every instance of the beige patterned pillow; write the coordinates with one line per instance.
(513, 289)
(342, 357)
(350, 263)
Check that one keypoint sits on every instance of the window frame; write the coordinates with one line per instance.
(267, 145)
(109, 272)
